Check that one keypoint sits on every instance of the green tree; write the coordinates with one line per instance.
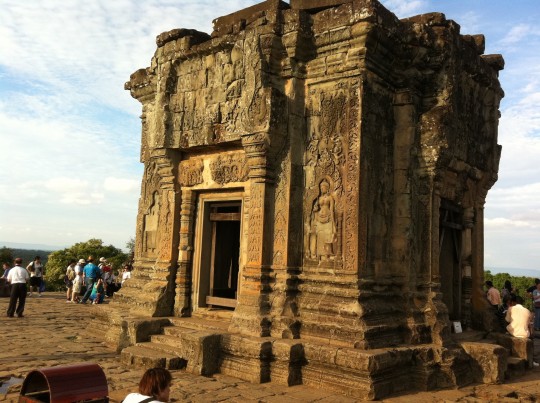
(519, 285)
(6, 256)
(59, 260)
(130, 246)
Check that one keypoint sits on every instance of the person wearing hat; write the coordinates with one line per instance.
(79, 266)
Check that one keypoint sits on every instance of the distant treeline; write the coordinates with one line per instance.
(27, 255)
(519, 284)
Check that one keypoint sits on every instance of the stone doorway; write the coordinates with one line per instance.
(217, 265)
(450, 229)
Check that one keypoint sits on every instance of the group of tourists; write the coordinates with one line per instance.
(84, 280)
(508, 307)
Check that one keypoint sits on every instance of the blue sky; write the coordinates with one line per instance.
(70, 134)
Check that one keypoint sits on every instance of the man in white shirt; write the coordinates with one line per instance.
(17, 276)
(79, 266)
(519, 318)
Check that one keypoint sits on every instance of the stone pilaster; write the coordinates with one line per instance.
(251, 315)
(184, 276)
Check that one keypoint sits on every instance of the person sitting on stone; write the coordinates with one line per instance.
(154, 387)
(518, 318)
(98, 292)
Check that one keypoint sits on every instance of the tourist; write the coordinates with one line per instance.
(68, 279)
(507, 289)
(6, 268)
(531, 289)
(80, 266)
(154, 387)
(109, 280)
(37, 271)
(126, 274)
(536, 300)
(91, 274)
(98, 292)
(501, 311)
(17, 277)
(493, 295)
(106, 271)
(518, 318)
(77, 287)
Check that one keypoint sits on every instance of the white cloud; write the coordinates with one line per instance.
(70, 134)
(506, 223)
(121, 185)
(517, 33)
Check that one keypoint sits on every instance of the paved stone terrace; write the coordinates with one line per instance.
(54, 333)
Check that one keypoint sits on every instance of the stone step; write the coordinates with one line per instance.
(516, 367)
(145, 357)
(198, 323)
(171, 341)
(197, 351)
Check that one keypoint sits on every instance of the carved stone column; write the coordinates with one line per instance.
(182, 306)
(156, 247)
(466, 279)
(251, 315)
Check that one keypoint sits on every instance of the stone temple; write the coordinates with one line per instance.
(311, 210)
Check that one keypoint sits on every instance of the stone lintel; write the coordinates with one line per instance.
(496, 61)
(222, 24)
(316, 5)
(478, 40)
(174, 34)
(427, 19)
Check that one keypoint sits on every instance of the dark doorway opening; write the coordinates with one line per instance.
(450, 230)
(225, 253)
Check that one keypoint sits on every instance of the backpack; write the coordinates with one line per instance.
(71, 275)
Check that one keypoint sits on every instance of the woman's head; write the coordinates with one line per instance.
(156, 382)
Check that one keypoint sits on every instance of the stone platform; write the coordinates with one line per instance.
(55, 333)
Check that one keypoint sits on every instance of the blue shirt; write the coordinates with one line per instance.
(91, 271)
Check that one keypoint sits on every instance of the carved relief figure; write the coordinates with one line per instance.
(322, 233)
(151, 224)
(191, 172)
(229, 168)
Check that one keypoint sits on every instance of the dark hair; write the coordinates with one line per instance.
(154, 381)
(514, 298)
(508, 285)
(489, 283)
(18, 260)
(37, 258)
(72, 261)
(537, 281)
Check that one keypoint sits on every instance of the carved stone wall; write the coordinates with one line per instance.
(345, 132)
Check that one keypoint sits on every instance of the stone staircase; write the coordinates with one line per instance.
(202, 345)
(496, 357)
(186, 343)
